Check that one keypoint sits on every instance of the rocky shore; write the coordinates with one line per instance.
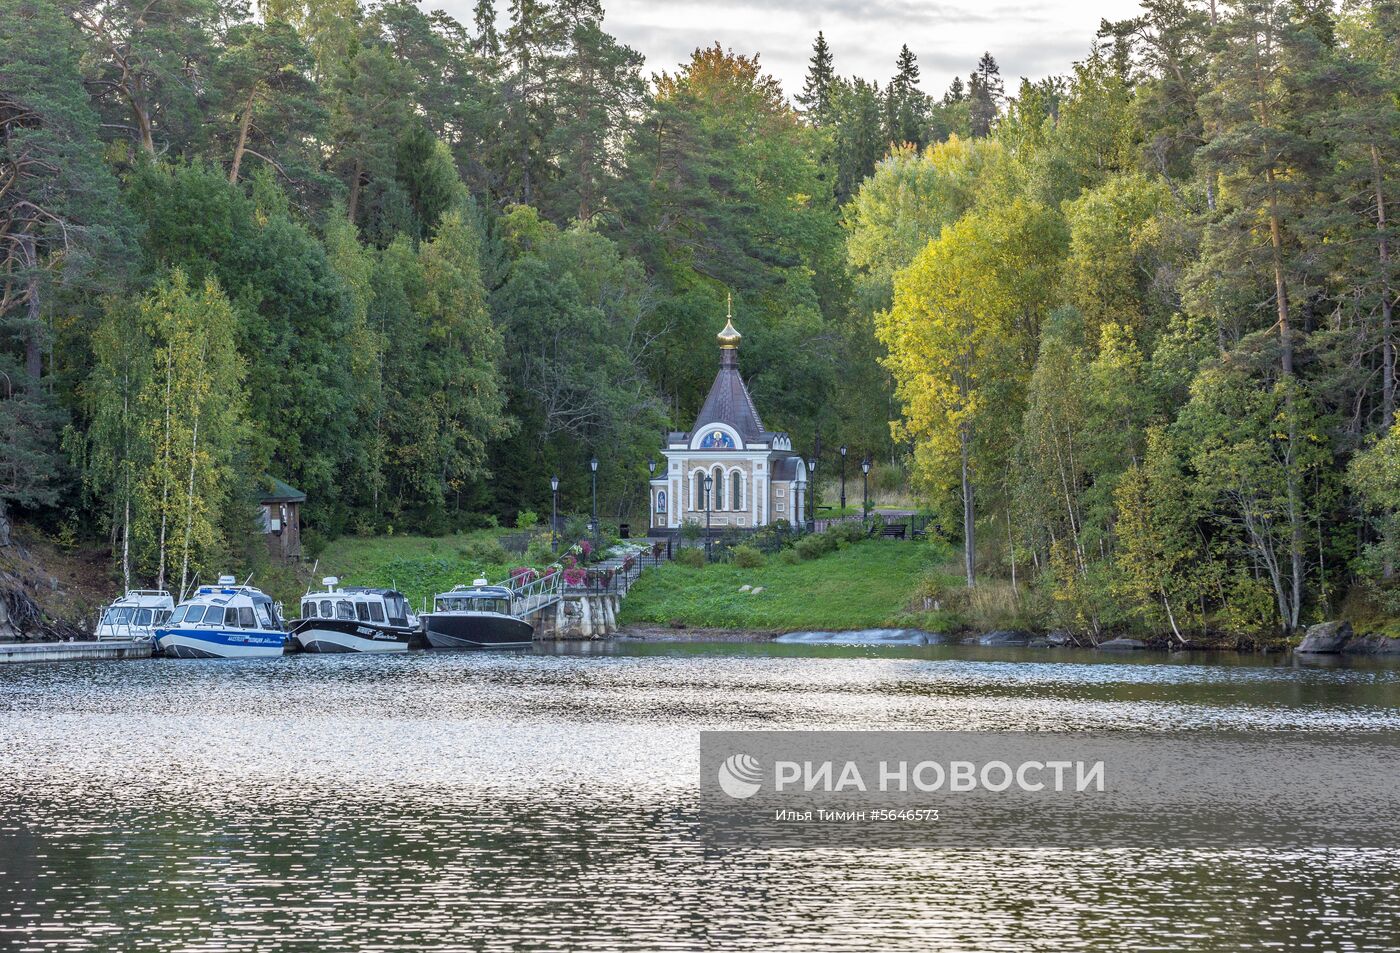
(1338, 638)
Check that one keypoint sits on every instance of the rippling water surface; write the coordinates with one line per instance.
(546, 801)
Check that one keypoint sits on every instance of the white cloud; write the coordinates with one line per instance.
(1031, 40)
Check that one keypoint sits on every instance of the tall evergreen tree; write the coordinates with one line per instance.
(985, 94)
(816, 95)
(60, 223)
(906, 106)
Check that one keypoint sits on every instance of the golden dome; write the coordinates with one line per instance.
(729, 337)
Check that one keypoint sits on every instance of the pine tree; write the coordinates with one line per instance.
(906, 107)
(488, 41)
(858, 132)
(58, 211)
(598, 91)
(533, 44)
(985, 93)
(816, 93)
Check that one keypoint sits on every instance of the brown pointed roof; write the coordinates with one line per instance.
(729, 403)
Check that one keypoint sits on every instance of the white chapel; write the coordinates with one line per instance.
(756, 479)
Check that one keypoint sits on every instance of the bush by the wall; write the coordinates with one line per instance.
(485, 551)
(692, 556)
(746, 557)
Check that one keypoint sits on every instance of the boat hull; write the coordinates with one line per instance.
(219, 643)
(338, 635)
(475, 630)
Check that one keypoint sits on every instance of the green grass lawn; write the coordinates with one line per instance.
(869, 584)
(418, 566)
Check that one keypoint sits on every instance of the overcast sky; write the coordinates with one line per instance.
(1031, 39)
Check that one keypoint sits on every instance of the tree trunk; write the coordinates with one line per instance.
(354, 204)
(33, 333)
(964, 438)
(1295, 520)
(1285, 335)
(189, 508)
(165, 477)
(1387, 302)
(244, 124)
(4, 526)
(1171, 617)
(1011, 547)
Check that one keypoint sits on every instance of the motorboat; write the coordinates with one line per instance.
(475, 617)
(354, 619)
(135, 616)
(223, 621)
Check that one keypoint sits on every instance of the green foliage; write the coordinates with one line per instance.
(746, 557)
(1136, 322)
(693, 557)
(487, 551)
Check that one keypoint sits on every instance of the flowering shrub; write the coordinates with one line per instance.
(586, 547)
(570, 562)
(628, 563)
(574, 576)
(523, 574)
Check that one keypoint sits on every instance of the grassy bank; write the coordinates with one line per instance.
(418, 566)
(870, 584)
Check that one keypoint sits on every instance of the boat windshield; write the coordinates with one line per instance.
(397, 609)
(121, 615)
(473, 604)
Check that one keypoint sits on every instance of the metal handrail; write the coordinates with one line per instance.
(535, 595)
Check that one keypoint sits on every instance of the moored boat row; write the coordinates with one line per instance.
(227, 620)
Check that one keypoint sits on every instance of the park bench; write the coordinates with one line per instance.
(894, 531)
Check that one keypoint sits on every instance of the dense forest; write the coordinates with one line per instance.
(1127, 330)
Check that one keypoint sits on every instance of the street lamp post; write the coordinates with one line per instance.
(593, 465)
(651, 505)
(709, 483)
(554, 512)
(812, 494)
(865, 488)
(843, 479)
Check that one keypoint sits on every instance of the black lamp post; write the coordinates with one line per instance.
(554, 512)
(843, 479)
(709, 484)
(593, 465)
(811, 494)
(865, 488)
(651, 468)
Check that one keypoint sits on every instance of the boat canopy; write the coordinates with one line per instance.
(138, 609)
(228, 607)
(357, 604)
(474, 599)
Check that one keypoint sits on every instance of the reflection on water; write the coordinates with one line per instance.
(544, 800)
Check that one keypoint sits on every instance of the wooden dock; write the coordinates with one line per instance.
(70, 651)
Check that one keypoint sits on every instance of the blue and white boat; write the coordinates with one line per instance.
(223, 621)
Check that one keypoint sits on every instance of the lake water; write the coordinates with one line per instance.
(546, 801)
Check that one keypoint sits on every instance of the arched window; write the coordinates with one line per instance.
(717, 494)
(736, 491)
(698, 479)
